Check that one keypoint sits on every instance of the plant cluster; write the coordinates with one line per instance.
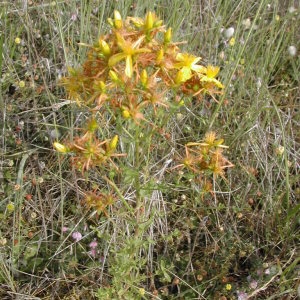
(137, 78)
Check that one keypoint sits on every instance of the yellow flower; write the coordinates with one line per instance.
(22, 84)
(228, 287)
(10, 207)
(211, 73)
(126, 114)
(142, 291)
(187, 63)
(232, 41)
(17, 40)
(129, 50)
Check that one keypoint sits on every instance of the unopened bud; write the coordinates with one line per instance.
(117, 20)
(113, 75)
(160, 56)
(168, 36)
(144, 77)
(149, 21)
(60, 147)
(113, 143)
(104, 47)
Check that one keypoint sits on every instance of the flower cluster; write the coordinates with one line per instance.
(88, 151)
(206, 156)
(135, 66)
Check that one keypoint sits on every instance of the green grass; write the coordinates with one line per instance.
(191, 244)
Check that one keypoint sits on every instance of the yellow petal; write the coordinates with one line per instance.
(183, 75)
(212, 71)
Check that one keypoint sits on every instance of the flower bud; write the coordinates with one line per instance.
(149, 21)
(113, 143)
(168, 36)
(117, 20)
(144, 77)
(60, 147)
(113, 75)
(104, 47)
(159, 56)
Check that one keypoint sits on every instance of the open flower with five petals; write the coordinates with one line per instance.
(129, 50)
(186, 63)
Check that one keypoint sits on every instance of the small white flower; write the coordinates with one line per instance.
(258, 83)
(228, 33)
(291, 9)
(292, 50)
(246, 23)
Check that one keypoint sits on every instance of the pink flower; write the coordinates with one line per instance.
(242, 295)
(65, 229)
(253, 284)
(77, 236)
(93, 253)
(93, 244)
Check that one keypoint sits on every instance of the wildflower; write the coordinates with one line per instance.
(142, 291)
(292, 9)
(3, 241)
(77, 236)
(93, 244)
(211, 73)
(93, 252)
(232, 41)
(253, 284)
(228, 287)
(10, 207)
(65, 229)
(187, 63)
(126, 114)
(129, 50)
(17, 40)
(292, 50)
(279, 150)
(21, 84)
(242, 295)
(246, 23)
(228, 33)
(277, 18)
